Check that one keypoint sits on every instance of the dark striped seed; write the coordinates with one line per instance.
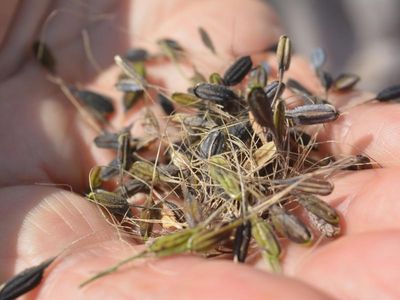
(24, 282)
(260, 107)
(212, 144)
(283, 53)
(345, 82)
(238, 70)
(214, 92)
(389, 93)
(166, 105)
(298, 88)
(312, 114)
(242, 241)
(205, 38)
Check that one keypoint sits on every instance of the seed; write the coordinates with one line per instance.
(266, 240)
(166, 105)
(99, 103)
(312, 114)
(144, 171)
(311, 185)
(128, 85)
(212, 144)
(124, 151)
(171, 48)
(185, 99)
(345, 82)
(283, 53)
(243, 131)
(116, 203)
(107, 140)
(149, 213)
(129, 99)
(136, 55)
(205, 38)
(319, 208)
(298, 88)
(24, 281)
(132, 187)
(274, 88)
(361, 163)
(214, 92)
(389, 93)
(242, 241)
(44, 56)
(238, 70)
(176, 210)
(135, 71)
(280, 121)
(109, 171)
(260, 107)
(257, 78)
(289, 225)
(215, 78)
(324, 227)
(318, 58)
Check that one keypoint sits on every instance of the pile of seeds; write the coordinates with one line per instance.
(240, 172)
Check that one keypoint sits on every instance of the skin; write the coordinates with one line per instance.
(46, 142)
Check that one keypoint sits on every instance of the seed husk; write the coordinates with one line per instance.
(283, 53)
(213, 144)
(214, 92)
(388, 94)
(44, 55)
(242, 242)
(266, 240)
(312, 114)
(280, 121)
(185, 99)
(345, 81)
(94, 178)
(215, 78)
(205, 38)
(148, 214)
(265, 154)
(238, 70)
(220, 172)
(24, 281)
(258, 77)
(290, 226)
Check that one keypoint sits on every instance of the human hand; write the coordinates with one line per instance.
(45, 140)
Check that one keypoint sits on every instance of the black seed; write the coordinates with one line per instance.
(312, 114)
(238, 70)
(242, 241)
(166, 105)
(212, 144)
(107, 140)
(214, 92)
(298, 88)
(243, 131)
(273, 88)
(110, 171)
(136, 55)
(345, 82)
(205, 38)
(389, 93)
(260, 107)
(24, 282)
(131, 98)
(99, 103)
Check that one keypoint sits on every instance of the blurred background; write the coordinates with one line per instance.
(359, 36)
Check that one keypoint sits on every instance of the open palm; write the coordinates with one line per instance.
(45, 140)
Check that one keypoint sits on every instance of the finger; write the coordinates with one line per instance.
(172, 278)
(361, 266)
(40, 222)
